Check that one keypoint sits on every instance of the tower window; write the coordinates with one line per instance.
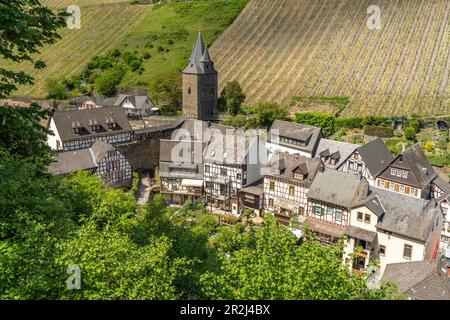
(189, 90)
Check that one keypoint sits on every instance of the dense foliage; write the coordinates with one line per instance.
(25, 27)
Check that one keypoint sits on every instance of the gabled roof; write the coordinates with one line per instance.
(419, 280)
(337, 150)
(287, 165)
(84, 159)
(300, 132)
(373, 203)
(413, 159)
(235, 148)
(138, 101)
(337, 187)
(376, 156)
(405, 215)
(65, 120)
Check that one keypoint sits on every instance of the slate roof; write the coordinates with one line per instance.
(419, 280)
(197, 130)
(376, 156)
(340, 151)
(296, 131)
(256, 188)
(64, 121)
(200, 61)
(373, 203)
(167, 147)
(100, 101)
(337, 187)
(421, 174)
(83, 159)
(138, 101)
(406, 215)
(235, 150)
(285, 165)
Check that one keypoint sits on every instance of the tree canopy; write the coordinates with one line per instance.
(26, 26)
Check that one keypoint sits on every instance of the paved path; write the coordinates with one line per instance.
(143, 189)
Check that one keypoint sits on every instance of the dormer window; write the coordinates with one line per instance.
(76, 126)
(111, 123)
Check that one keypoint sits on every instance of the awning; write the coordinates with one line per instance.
(191, 183)
(361, 234)
(155, 109)
(286, 204)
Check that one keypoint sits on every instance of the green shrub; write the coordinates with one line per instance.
(410, 133)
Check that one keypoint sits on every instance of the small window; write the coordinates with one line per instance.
(367, 218)
(207, 169)
(272, 185)
(382, 250)
(270, 202)
(338, 215)
(318, 211)
(189, 90)
(223, 172)
(291, 190)
(407, 251)
(359, 216)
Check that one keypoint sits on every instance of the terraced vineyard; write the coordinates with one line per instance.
(102, 28)
(278, 49)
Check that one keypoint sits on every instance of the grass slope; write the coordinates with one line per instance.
(166, 31)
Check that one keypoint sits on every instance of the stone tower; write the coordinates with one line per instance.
(200, 84)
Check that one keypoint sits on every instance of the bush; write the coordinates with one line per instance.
(326, 121)
(429, 146)
(55, 89)
(410, 133)
(415, 124)
(107, 82)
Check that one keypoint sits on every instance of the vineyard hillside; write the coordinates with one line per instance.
(280, 49)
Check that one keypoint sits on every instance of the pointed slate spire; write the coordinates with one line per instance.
(205, 57)
(199, 49)
(200, 61)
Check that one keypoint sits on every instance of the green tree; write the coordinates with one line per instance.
(106, 84)
(165, 89)
(55, 89)
(267, 112)
(26, 26)
(272, 266)
(24, 135)
(233, 97)
(410, 133)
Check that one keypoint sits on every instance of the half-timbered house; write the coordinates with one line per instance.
(334, 154)
(330, 198)
(102, 159)
(79, 129)
(411, 173)
(293, 138)
(232, 162)
(287, 183)
(181, 170)
(368, 160)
